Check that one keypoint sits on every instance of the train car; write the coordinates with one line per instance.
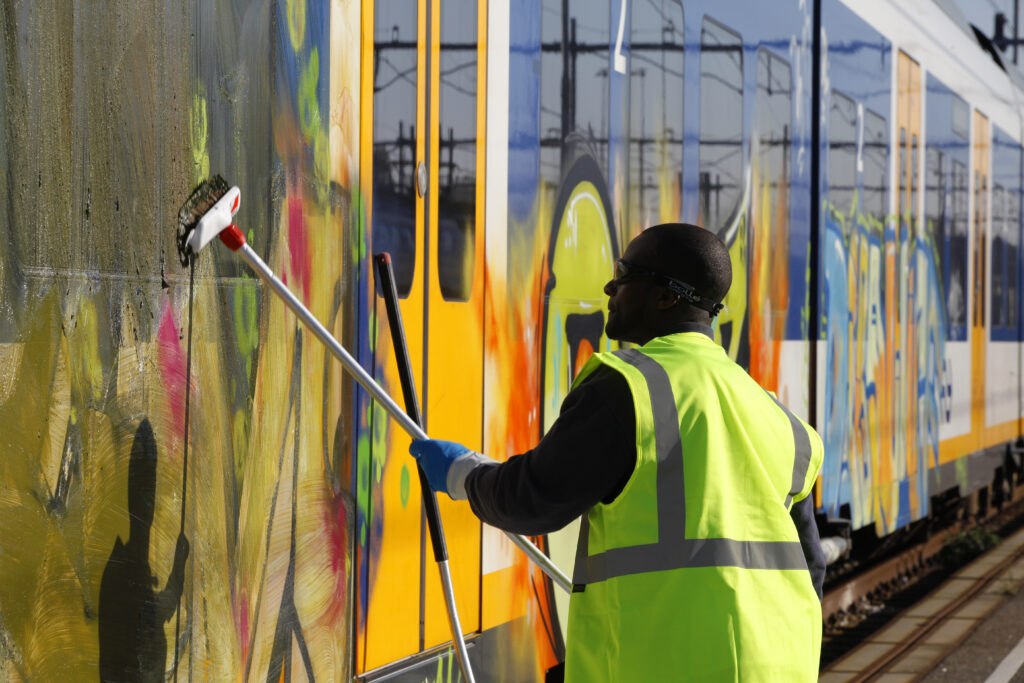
(192, 487)
(918, 363)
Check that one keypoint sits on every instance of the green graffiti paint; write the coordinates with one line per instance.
(363, 485)
(240, 442)
(246, 318)
(309, 109)
(311, 122)
(321, 166)
(405, 485)
(359, 245)
(447, 667)
(380, 446)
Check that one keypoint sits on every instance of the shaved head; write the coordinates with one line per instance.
(691, 254)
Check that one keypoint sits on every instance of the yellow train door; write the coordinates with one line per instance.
(980, 165)
(393, 543)
(454, 284)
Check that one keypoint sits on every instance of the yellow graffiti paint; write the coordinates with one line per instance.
(296, 12)
(735, 311)
(198, 131)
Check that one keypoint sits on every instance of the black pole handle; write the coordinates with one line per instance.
(386, 281)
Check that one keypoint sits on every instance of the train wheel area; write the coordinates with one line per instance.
(939, 612)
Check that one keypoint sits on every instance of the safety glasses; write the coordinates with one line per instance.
(627, 271)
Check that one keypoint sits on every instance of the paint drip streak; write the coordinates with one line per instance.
(184, 461)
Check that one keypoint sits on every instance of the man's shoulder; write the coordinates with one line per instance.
(602, 378)
(604, 384)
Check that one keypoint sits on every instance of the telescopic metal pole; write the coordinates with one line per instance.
(378, 393)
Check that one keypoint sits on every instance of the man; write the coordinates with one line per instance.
(698, 557)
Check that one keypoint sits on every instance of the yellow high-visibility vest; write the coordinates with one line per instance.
(695, 571)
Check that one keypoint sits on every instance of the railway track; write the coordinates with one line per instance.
(922, 614)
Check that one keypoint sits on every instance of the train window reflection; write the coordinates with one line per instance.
(876, 166)
(998, 255)
(721, 126)
(456, 183)
(772, 122)
(656, 115)
(956, 302)
(394, 137)
(575, 78)
(842, 156)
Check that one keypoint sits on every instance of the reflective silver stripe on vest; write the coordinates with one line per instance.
(673, 550)
(803, 452)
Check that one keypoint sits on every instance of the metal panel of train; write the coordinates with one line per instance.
(862, 161)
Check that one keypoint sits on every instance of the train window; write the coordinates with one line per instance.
(876, 166)
(842, 155)
(956, 292)
(1012, 233)
(394, 137)
(656, 115)
(721, 126)
(575, 79)
(456, 183)
(998, 256)
(935, 218)
(773, 113)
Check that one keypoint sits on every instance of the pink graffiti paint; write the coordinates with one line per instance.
(298, 244)
(172, 364)
(336, 525)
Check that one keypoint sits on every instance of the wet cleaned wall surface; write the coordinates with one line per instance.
(114, 555)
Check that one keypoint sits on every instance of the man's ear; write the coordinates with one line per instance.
(666, 299)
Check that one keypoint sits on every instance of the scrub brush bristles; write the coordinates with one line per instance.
(202, 199)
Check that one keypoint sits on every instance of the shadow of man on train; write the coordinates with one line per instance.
(131, 613)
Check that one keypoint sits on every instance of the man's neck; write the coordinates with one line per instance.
(687, 326)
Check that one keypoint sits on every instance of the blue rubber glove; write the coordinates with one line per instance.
(436, 458)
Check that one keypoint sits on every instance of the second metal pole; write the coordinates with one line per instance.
(386, 280)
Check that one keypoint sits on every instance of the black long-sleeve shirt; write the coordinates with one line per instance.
(586, 458)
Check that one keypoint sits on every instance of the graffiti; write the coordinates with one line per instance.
(871, 383)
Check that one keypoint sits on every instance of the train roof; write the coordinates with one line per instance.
(935, 34)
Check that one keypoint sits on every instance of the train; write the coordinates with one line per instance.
(191, 486)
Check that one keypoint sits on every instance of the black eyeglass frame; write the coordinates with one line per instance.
(683, 289)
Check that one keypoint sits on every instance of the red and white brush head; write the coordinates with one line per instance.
(215, 220)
